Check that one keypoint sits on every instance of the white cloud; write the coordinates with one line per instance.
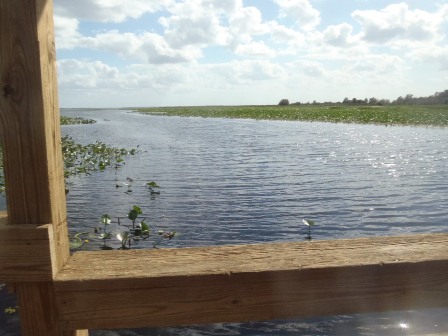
(435, 55)
(108, 10)
(308, 68)
(258, 70)
(255, 49)
(85, 76)
(88, 77)
(238, 74)
(398, 22)
(66, 30)
(193, 24)
(172, 56)
(247, 20)
(100, 84)
(283, 35)
(146, 47)
(304, 14)
(229, 7)
(379, 65)
(339, 35)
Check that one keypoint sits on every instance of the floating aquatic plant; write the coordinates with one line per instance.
(151, 186)
(97, 156)
(76, 242)
(75, 120)
(140, 230)
(308, 223)
(105, 221)
(133, 214)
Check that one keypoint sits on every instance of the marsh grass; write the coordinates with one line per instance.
(405, 115)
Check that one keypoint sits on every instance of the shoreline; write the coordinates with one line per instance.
(388, 115)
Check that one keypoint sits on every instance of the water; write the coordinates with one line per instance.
(244, 181)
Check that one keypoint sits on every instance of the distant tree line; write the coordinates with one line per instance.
(435, 99)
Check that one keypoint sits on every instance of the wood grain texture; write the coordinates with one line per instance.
(40, 295)
(137, 288)
(29, 119)
(30, 134)
(26, 253)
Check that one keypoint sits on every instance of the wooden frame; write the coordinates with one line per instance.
(63, 295)
(30, 133)
(168, 287)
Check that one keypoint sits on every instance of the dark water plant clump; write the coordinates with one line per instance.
(75, 120)
(83, 159)
(127, 235)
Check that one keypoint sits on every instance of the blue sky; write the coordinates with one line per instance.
(231, 52)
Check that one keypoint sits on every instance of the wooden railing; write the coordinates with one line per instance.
(65, 295)
(167, 287)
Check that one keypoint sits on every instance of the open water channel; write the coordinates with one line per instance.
(229, 181)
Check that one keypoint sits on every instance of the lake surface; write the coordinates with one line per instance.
(228, 181)
(242, 181)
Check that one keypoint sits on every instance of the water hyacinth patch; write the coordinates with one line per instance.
(127, 235)
(97, 156)
(83, 159)
(75, 120)
(141, 230)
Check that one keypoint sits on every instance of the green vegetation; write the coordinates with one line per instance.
(138, 231)
(83, 159)
(75, 120)
(405, 115)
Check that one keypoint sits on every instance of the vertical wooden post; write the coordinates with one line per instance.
(29, 121)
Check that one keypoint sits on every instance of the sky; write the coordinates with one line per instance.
(136, 53)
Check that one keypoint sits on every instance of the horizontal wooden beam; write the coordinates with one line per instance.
(167, 287)
(26, 252)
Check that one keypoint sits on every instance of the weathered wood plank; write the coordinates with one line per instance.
(41, 295)
(30, 133)
(26, 253)
(29, 119)
(137, 288)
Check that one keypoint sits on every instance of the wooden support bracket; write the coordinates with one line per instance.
(26, 252)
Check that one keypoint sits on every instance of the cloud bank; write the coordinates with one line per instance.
(188, 52)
